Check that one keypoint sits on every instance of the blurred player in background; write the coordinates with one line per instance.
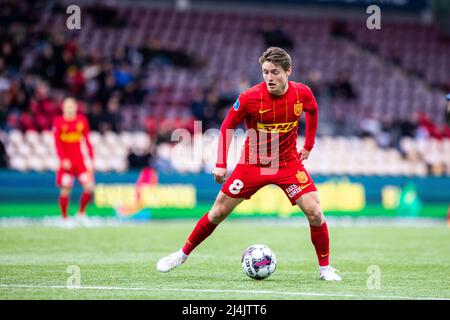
(447, 110)
(272, 110)
(70, 130)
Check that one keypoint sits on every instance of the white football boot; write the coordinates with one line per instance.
(67, 223)
(83, 220)
(329, 274)
(171, 261)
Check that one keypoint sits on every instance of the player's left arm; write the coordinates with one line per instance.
(87, 140)
(311, 124)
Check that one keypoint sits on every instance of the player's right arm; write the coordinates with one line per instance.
(235, 116)
(64, 161)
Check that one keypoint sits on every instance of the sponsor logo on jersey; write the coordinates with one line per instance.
(80, 126)
(293, 190)
(276, 127)
(305, 186)
(70, 136)
(236, 105)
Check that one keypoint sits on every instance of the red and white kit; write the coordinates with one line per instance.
(68, 137)
(270, 155)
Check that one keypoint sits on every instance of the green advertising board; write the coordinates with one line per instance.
(190, 196)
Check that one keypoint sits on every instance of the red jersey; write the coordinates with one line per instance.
(273, 120)
(68, 135)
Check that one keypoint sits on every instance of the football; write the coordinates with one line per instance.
(258, 261)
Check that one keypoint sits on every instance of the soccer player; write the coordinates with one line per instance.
(271, 110)
(447, 110)
(69, 131)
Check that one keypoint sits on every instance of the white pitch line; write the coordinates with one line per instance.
(288, 293)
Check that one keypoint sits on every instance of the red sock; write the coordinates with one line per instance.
(201, 231)
(84, 200)
(63, 205)
(321, 242)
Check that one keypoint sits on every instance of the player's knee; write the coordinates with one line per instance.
(64, 192)
(88, 187)
(315, 216)
(217, 214)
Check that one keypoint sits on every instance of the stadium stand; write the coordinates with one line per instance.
(380, 94)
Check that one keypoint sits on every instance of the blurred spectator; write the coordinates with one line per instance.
(105, 15)
(275, 36)
(369, 126)
(243, 83)
(315, 82)
(341, 86)
(11, 56)
(168, 54)
(134, 93)
(447, 110)
(95, 116)
(178, 57)
(75, 81)
(112, 115)
(3, 114)
(3, 154)
(140, 158)
(210, 113)
(150, 50)
(123, 75)
(426, 124)
(198, 104)
(408, 126)
(43, 108)
(227, 95)
(339, 29)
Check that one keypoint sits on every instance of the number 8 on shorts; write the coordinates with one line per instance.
(236, 186)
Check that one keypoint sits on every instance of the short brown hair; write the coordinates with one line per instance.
(277, 56)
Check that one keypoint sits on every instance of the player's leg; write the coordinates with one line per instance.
(86, 179)
(64, 197)
(243, 182)
(309, 203)
(64, 181)
(86, 196)
(299, 187)
(221, 209)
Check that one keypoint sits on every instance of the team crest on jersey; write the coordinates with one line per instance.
(236, 105)
(301, 176)
(64, 128)
(80, 126)
(298, 108)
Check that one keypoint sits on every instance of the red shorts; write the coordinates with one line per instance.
(65, 178)
(245, 180)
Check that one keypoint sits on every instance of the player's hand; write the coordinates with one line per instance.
(89, 163)
(66, 164)
(219, 174)
(304, 154)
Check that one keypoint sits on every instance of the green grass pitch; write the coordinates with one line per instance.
(119, 262)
